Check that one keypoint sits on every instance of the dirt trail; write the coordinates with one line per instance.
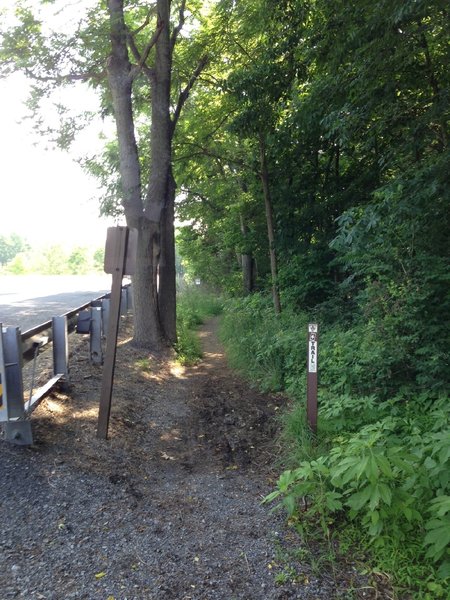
(168, 508)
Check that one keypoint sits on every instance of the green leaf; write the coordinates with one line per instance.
(444, 570)
(441, 505)
(372, 470)
(375, 497)
(429, 463)
(385, 466)
(385, 493)
(333, 501)
(358, 500)
(272, 496)
(438, 539)
(290, 504)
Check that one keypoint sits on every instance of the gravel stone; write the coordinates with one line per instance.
(169, 507)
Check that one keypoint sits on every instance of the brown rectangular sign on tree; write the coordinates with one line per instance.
(113, 251)
(311, 377)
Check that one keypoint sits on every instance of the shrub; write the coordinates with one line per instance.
(381, 460)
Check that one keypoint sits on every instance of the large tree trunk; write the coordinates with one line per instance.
(159, 203)
(147, 328)
(155, 301)
(167, 269)
(120, 84)
(161, 129)
(154, 218)
(147, 331)
(247, 262)
(270, 228)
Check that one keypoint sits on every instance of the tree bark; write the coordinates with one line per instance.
(161, 142)
(434, 84)
(270, 228)
(120, 83)
(159, 203)
(247, 273)
(147, 327)
(146, 218)
(247, 263)
(155, 301)
(167, 269)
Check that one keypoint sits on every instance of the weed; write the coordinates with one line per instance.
(143, 364)
(381, 460)
(193, 307)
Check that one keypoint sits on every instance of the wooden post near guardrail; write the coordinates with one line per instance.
(120, 253)
(311, 377)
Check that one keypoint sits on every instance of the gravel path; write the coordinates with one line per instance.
(168, 508)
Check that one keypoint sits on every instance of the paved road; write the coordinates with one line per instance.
(27, 301)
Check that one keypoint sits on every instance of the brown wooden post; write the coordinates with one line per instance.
(311, 377)
(115, 257)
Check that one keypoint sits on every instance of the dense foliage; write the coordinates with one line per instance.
(53, 260)
(381, 461)
(348, 102)
(11, 246)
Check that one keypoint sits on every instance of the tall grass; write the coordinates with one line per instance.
(382, 460)
(194, 306)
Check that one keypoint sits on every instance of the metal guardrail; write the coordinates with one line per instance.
(17, 349)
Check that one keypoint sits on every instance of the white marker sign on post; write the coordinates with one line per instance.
(312, 348)
(311, 376)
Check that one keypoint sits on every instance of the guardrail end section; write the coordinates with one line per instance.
(11, 374)
(18, 432)
(3, 397)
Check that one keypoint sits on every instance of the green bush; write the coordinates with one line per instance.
(381, 460)
(391, 476)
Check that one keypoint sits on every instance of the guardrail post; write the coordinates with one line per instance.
(95, 338)
(3, 394)
(12, 355)
(106, 304)
(16, 427)
(60, 347)
(123, 302)
(129, 290)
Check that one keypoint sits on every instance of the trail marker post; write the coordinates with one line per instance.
(311, 376)
(120, 256)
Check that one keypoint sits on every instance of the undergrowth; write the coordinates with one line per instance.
(194, 306)
(380, 464)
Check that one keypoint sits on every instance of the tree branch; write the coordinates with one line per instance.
(204, 199)
(144, 24)
(185, 93)
(179, 27)
(98, 76)
(221, 123)
(142, 58)
(120, 84)
(151, 43)
(205, 152)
